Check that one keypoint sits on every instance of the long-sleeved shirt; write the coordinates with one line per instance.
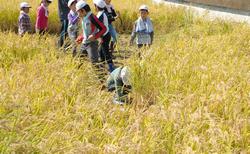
(115, 83)
(63, 9)
(142, 38)
(91, 26)
(73, 18)
(73, 26)
(24, 24)
(42, 18)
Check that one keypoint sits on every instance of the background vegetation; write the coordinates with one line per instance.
(191, 89)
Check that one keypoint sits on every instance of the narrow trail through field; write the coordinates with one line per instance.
(121, 52)
(211, 12)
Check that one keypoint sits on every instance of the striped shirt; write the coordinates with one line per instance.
(24, 23)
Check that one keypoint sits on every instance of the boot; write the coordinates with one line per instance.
(111, 67)
(112, 47)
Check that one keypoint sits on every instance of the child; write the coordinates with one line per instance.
(118, 81)
(42, 17)
(90, 26)
(24, 24)
(112, 16)
(143, 29)
(104, 50)
(73, 24)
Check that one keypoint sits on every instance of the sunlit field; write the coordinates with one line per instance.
(191, 89)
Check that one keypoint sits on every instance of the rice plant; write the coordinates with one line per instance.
(191, 89)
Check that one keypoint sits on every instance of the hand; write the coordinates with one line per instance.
(99, 43)
(79, 39)
(130, 43)
(117, 14)
(91, 38)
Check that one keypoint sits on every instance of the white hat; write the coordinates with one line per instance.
(80, 5)
(24, 5)
(50, 1)
(99, 3)
(143, 7)
(125, 75)
(70, 2)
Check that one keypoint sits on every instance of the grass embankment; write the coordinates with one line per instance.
(191, 93)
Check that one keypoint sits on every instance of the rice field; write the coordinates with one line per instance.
(191, 89)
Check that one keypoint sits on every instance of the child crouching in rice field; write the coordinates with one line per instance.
(73, 25)
(42, 17)
(143, 29)
(24, 24)
(119, 81)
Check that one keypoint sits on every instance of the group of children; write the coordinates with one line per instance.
(97, 36)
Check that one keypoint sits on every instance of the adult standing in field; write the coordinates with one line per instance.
(63, 11)
(42, 17)
(73, 25)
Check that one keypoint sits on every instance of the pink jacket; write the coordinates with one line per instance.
(42, 18)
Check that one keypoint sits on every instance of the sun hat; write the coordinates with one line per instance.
(125, 75)
(70, 2)
(24, 5)
(81, 4)
(143, 7)
(99, 3)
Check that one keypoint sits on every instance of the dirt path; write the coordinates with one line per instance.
(211, 12)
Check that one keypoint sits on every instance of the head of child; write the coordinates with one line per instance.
(99, 5)
(144, 11)
(107, 2)
(72, 5)
(25, 7)
(46, 2)
(82, 8)
(125, 76)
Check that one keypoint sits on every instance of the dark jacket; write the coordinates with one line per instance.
(111, 14)
(63, 9)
